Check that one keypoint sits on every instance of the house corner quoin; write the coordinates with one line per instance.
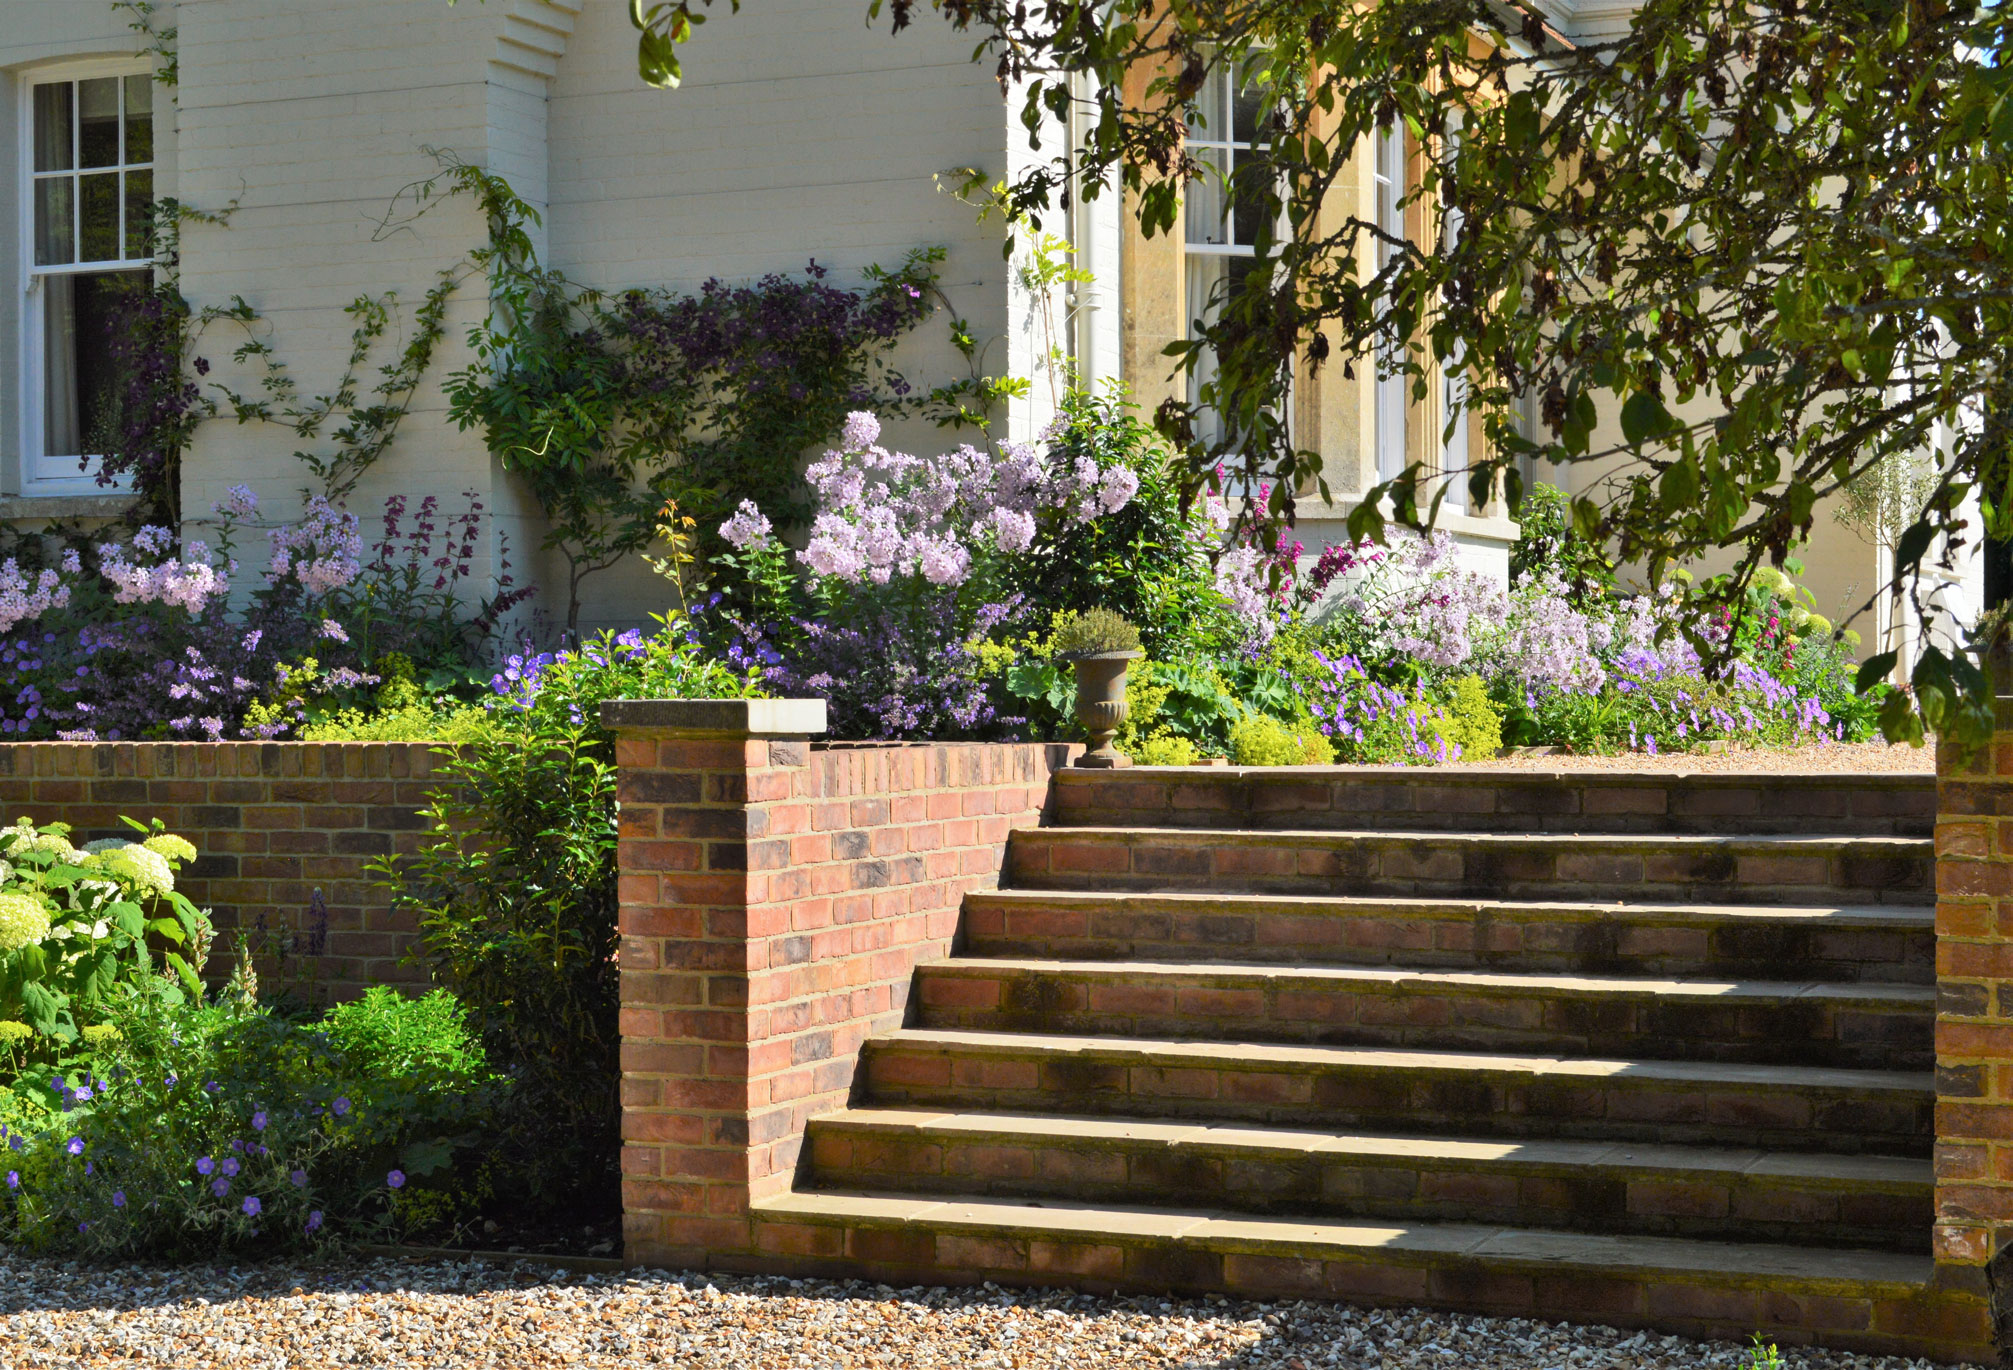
(776, 894)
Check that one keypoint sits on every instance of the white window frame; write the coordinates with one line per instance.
(1225, 142)
(1388, 166)
(56, 473)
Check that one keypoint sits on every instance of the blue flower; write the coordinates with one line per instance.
(230, 1166)
(204, 1165)
(220, 1187)
(300, 1178)
(259, 1121)
(396, 1179)
(314, 1220)
(340, 1106)
(118, 1198)
(13, 1179)
(251, 1205)
(75, 1146)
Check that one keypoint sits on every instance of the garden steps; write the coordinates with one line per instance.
(1467, 1094)
(1862, 1024)
(1889, 942)
(1643, 867)
(1874, 803)
(1873, 1299)
(1649, 1188)
(1644, 1049)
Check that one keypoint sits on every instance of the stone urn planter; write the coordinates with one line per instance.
(1100, 705)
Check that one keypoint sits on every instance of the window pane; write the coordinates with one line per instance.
(1248, 205)
(139, 119)
(1203, 199)
(139, 213)
(99, 197)
(52, 126)
(98, 122)
(79, 376)
(55, 241)
(1249, 110)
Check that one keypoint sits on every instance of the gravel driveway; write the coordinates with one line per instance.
(526, 1317)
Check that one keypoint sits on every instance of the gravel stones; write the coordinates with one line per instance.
(526, 1316)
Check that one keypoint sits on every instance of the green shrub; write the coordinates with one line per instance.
(206, 1128)
(1261, 740)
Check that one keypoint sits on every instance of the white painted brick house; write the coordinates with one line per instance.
(801, 132)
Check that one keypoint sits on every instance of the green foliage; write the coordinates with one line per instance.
(1548, 541)
(1261, 740)
(1150, 562)
(608, 407)
(514, 891)
(201, 1128)
(1091, 633)
(384, 1033)
(76, 925)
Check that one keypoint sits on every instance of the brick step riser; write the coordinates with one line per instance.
(1890, 806)
(1795, 1032)
(1605, 946)
(1591, 1199)
(1912, 1319)
(1618, 1108)
(1398, 867)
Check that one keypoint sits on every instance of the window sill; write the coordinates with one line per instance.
(49, 508)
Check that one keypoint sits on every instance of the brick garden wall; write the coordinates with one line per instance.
(1974, 1002)
(274, 822)
(776, 898)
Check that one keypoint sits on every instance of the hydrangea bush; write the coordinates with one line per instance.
(76, 924)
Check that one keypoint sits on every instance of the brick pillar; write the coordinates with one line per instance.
(1974, 1005)
(710, 1081)
(776, 899)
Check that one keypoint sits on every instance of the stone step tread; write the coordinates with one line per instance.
(1890, 1172)
(1265, 837)
(1178, 1053)
(1902, 916)
(1217, 974)
(1781, 1268)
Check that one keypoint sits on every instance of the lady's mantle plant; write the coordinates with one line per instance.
(75, 924)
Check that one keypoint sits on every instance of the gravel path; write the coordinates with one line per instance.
(525, 1317)
(1829, 756)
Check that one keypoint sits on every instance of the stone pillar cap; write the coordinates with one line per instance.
(739, 717)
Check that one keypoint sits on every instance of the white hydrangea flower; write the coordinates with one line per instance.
(136, 865)
(173, 847)
(24, 921)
